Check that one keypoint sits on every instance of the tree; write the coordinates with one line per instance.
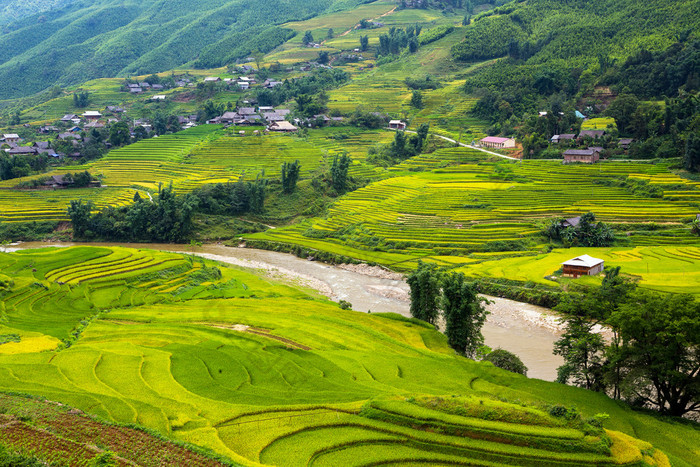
(622, 109)
(588, 360)
(691, 157)
(290, 175)
(257, 194)
(417, 99)
(339, 172)
(140, 133)
(364, 43)
(81, 99)
(464, 314)
(323, 57)
(119, 134)
(308, 38)
(466, 20)
(160, 123)
(79, 214)
(660, 351)
(424, 284)
(330, 34)
(507, 361)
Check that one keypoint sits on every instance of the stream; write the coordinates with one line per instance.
(528, 331)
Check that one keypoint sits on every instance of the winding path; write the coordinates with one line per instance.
(470, 146)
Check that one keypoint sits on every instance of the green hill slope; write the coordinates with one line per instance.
(265, 373)
(115, 38)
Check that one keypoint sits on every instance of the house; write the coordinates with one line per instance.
(41, 145)
(243, 85)
(497, 143)
(272, 117)
(283, 112)
(271, 84)
(579, 115)
(625, 143)
(571, 222)
(68, 136)
(565, 137)
(114, 109)
(95, 124)
(263, 108)
(214, 121)
(230, 117)
(282, 126)
(595, 134)
(22, 150)
(158, 97)
(92, 115)
(48, 129)
(397, 125)
(246, 111)
(133, 85)
(251, 120)
(583, 265)
(69, 118)
(586, 156)
(157, 87)
(10, 138)
(75, 129)
(56, 181)
(212, 79)
(136, 90)
(144, 85)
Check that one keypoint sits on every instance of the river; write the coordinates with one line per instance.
(528, 331)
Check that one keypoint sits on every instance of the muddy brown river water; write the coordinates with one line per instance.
(526, 330)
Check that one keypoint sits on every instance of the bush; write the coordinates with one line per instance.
(506, 361)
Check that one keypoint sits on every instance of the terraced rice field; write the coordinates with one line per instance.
(265, 373)
(448, 215)
(191, 158)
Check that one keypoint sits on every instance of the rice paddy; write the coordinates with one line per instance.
(262, 372)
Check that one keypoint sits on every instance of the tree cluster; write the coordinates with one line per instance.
(586, 233)
(653, 356)
(402, 148)
(81, 99)
(433, 294)
(290, 176)
(399, 39)
(308, 85)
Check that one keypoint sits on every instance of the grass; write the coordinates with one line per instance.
(170, 359)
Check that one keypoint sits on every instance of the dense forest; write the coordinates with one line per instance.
(110, 38)
(556, 57)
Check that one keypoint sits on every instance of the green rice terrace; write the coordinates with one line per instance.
(262, 372)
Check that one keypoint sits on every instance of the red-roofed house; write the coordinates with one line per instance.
(497, 142)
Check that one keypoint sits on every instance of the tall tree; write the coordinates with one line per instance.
(464, 314)
(417, 99)
(308, 38)
(79, 214)
(364, 43)
(290, 176)
(424, 285)
(339, 172)
(660, 351)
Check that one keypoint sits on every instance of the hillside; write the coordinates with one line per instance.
(16, 10)
(263, 372)
(113, 38)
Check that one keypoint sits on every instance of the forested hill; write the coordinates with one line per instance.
(578, 31)
(101, 38)
(13, 10)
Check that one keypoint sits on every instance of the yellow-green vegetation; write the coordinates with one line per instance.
(599, 123)
(262, 372)
(459, 215)
(191, 158)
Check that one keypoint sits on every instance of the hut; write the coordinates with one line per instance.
(583, 265)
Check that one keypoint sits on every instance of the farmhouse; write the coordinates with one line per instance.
(227, 117)
(272, 117)
(595, 134)
(565, 137)
(625, 143)
(397, 125)
(212, 79)
(69, 118)
(158, 97)
(583, 265)
(22, 150)
(92, 115)
(571, 221)
(157, 87)
(136, 90)
(282, 126)
(246, 110)
(497, 143)
(10, 138)
(243, 85)
(586, 156)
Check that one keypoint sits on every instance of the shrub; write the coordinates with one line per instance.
(506, 361)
